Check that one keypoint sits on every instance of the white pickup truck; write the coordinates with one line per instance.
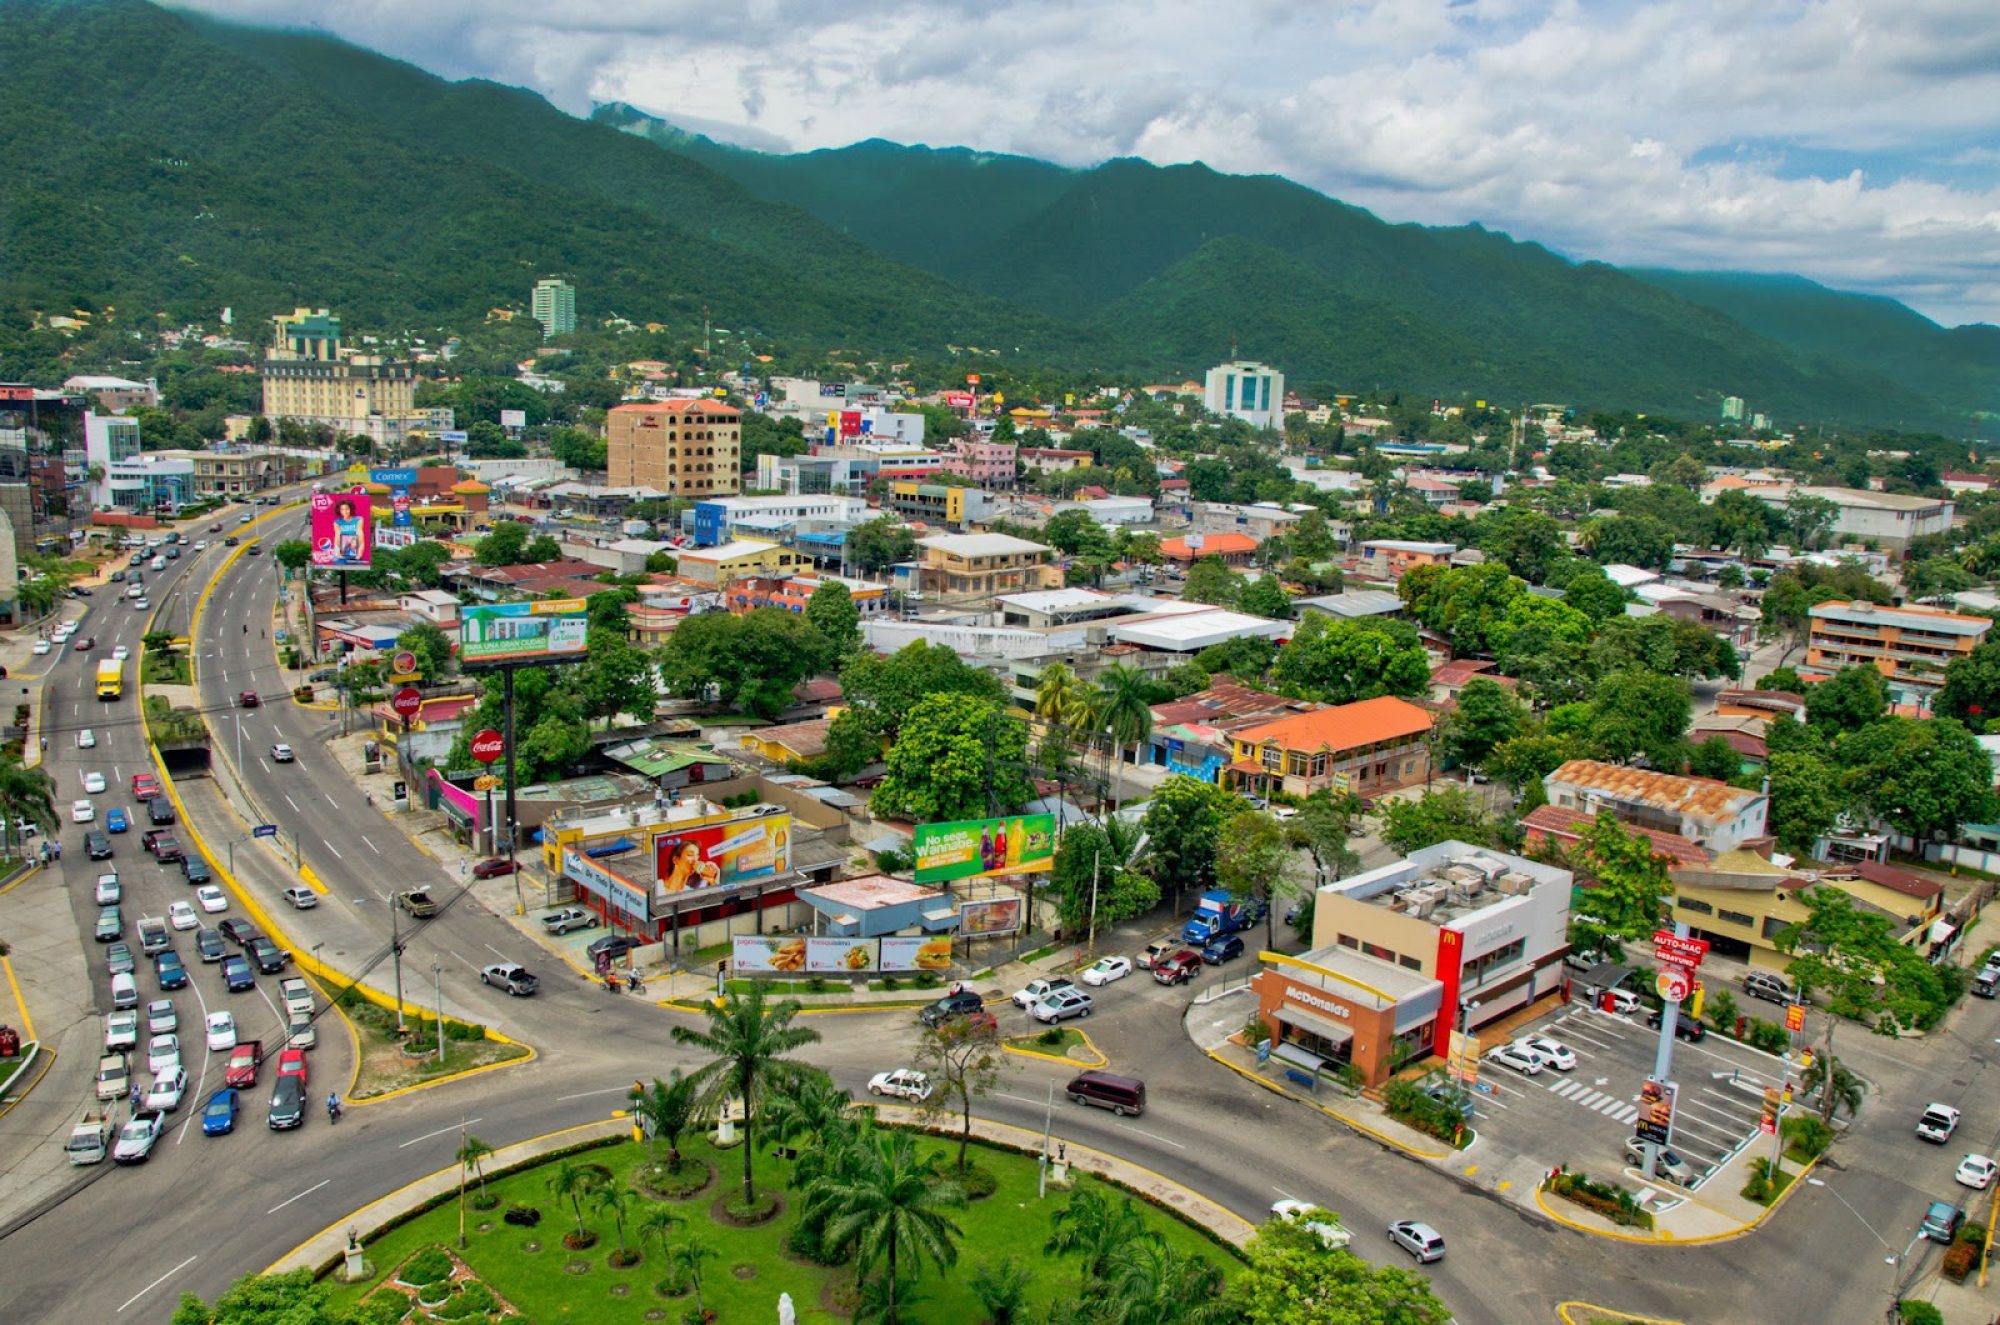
(297, 995)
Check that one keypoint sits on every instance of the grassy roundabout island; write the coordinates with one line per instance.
(530, 1270)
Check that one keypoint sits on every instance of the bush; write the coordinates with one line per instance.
(807, 1240)
(1807, 1137)
(676, 1284)
(1912, 1312)
(428, 1266)
(522, 1216)
(1722, 1010)
(1972, 1231)
(472, 1299)
(1255, 1030)
(1606, 1198)
(383, 1308)
(1407, 1103)
(977, 1183)
(928, 980)
(1051, 1037)
(1768, 1036)
(1960, 1260)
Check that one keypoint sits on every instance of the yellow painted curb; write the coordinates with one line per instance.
(354, 1217)
(1623, 1317)
(460, 1075)
(27, 1022)
(1361, 1127)
(311, 880)
(317, 706)
(17, 1092)
(1660, 1239)
(1088, 1043)
(33, 870)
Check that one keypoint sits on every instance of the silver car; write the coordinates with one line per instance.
(1419, 1239)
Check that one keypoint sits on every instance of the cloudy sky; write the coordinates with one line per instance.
(1853, 141)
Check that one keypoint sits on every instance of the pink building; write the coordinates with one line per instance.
(988, 464)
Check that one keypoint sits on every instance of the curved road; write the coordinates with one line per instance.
(204, 1211)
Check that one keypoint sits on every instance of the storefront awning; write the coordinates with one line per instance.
(1325, 1027)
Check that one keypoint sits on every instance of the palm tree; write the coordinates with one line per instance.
(656, 1223)
(749, 1040)
(1148, 1281)
(690, 1255)
(473, 1152)
(572, 1182)
(27, 796)
(810, 1108)
(1126, 716)
(668, 1108)
(1001, 1287)
(1088, 1224)
(1837, 1087)
(895, 1203)
(615, 1201)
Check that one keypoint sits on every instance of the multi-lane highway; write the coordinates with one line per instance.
(204, 1211)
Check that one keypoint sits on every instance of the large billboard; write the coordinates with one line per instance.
(983, 920)
(342, 526)
(551, 631)
(723, 856)
(983, 848)
(788, 954)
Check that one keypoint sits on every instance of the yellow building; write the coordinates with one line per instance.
(308, 377)
(684, 448)
(741, 559)
(1741, 902)
(961, 566)
(933, 503)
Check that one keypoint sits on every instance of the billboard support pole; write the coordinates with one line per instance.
(343, 588)
(513, 866)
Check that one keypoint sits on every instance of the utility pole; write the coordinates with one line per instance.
(513, 825)
(437, 983)
(396, 953)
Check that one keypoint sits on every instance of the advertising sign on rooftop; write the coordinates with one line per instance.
(545, 632)
(984, 848)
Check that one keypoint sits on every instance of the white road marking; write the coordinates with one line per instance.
(335, 850)
(371, 846)
(1161, 1139)
(496, 952)
(300, 1197)
(330, 800)
(294, 804)
(439, 1132)
(584, 1095)
(157, 1282)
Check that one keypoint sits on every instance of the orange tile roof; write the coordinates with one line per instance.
(1346, 727)
(1569, 825)
(1212, 545)
(1702, 797)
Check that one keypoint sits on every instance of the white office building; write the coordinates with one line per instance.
(1252, 392)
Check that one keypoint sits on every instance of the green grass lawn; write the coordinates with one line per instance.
(546, 1286)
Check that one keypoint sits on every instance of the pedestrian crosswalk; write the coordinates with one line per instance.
(1611, 1106)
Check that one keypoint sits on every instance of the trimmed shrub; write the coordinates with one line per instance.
(1807, 1137)
(1912, 1312)
(1606, 1198)
(1960, 1260)
(473, 1299)
(977, 1183)
(1407, 1103)
(382, 1308)
(428, 1266)
(522, 1216)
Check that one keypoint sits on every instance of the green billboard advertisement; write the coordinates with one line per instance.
(983, 848)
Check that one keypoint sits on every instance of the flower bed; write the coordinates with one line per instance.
(1604, 1198)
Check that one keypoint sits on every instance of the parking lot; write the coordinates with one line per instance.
(1582, 1117)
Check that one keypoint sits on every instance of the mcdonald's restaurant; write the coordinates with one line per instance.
(1334, 1008)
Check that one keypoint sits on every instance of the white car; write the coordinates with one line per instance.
(1554, 1052)
(82, 812)
(1622, 1003)
(120, 653)
(282, 753)
(166, 1091)
(42, 646)
(109, 890)
(137, 1138)
(161, 1019)
(163, 1052)
(1976, 1171)
(211, 898)
(142, 604)
(904, 1083)
(1938, 1123)
(94, 783)
(121, 1030)
(1326, 1228)
(181, 915)
(1525, 1061)
(221, 1032)
(86, 739)
(201, 545)
(1037, 990)
(1107, 969)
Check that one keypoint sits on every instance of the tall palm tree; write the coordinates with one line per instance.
(27, 796)
(1837, 1087)
(572, 1182)
(1124, 713)
(1147, 1282)
(748, 1039)
(656, 1222)
(690, 1255)
(472, 1153)
(810, 1108)
(1001, 1287)
(616, 1201)
(894, 1205)
(1088, 1224)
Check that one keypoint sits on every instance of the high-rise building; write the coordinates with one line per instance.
(684, 448)
(553, 304)
(1252, 392)
(107, 440)
(309, 377)
(1733, 409)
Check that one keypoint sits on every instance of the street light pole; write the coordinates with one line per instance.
(437, 983)
(396, 953)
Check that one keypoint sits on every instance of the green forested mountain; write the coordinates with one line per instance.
(177, 163)
(1959, 366)
(174, 163)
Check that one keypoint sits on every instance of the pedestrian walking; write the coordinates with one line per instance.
(57, 848)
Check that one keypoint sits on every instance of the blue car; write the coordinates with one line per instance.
(1219, 950)
(236, 974)
(116, 822)
(173, 975)
(218, 1116)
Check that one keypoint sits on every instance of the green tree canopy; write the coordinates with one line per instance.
(1631, 540)
(1463, 603)
(1255, 863)
(1971, 690)
(875, 545)
(1293, 1279)
(955, 757)
(1209, 581)
(1337, 662)
(1446, 814)
(432, 647)
(831, 611)
(1805, 798)
(1591, 592)
(507, 545)
(1848, 700)
(750, 662)
(1628, 886)
(1266, 597)
(1920, 777)
(1183, 820)
(1486, 715)
(1855, 957)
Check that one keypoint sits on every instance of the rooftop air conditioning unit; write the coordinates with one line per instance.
(1423, 908)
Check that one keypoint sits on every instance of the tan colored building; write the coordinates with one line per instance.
(1910, 646)
(684, 448)
(964, 566)
(1364, 748)
(738, 560)
(309, 377)
(1741, 903)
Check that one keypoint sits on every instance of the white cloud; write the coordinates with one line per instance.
(1652, 133)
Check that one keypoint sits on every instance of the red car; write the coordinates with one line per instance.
(1178, 969)
(243, 1062)
(292, 1063)
(981, 1020)
(248, 699)
(84, 645)
(494, 868)
(145, 787)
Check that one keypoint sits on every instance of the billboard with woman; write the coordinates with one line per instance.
(342, 530)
